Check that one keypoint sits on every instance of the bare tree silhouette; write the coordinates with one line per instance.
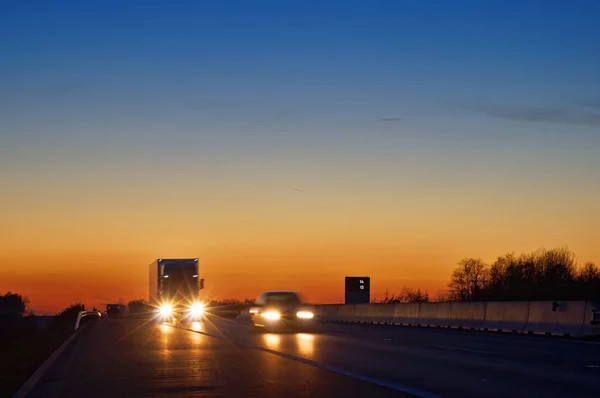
(539, 275)
(408, 295)
(469, 279)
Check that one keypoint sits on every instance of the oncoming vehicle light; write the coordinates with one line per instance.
(166, 310)
(197, 309)
(271, 315)
(305, 315)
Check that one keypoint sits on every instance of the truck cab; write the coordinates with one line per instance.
(174, 289)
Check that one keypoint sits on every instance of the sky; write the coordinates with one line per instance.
(287, 144)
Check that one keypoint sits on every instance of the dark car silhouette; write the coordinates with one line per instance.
(113, 311)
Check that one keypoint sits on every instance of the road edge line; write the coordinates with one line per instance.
(37, 375)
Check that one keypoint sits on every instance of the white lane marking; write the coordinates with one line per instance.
(592, 366)
(393, 386)
(447, 347)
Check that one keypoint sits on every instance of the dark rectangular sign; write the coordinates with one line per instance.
(358, 284)
(358, 290)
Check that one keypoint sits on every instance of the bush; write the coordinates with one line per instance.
(138, 306)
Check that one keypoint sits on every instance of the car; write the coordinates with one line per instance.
(280, 311)
(113, 311)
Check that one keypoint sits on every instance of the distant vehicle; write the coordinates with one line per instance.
(174, 289)
(113, 311)
(281, 310)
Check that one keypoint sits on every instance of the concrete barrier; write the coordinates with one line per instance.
(363, 313)
(330, 312)
(346, 313)
(383, 313)
(434, 314)
(591, 318)
(318, 312)
(406, 314)
(506, 316)
(568, 318)
(593, 309)
(465, 315)
(571, 318)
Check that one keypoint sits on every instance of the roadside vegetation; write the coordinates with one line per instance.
(540, 275)
(407, 295)
(27, 340)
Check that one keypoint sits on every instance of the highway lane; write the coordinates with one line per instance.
(130, 358)
(448, 363)
(136, 358)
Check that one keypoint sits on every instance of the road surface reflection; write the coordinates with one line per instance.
(272, 341)
(197, 338)
(196, 326)
(300, 343)
(306, 343)
(165, 332)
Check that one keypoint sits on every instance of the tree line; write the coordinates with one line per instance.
(17, 321)
(540, 275)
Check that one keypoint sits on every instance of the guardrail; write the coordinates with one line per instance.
(84, 316)
(563, 318)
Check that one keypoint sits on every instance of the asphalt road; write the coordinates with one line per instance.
(222, 358)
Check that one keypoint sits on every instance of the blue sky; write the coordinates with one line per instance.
(232, 79)
(238, 79)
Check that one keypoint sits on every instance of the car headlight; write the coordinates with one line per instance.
(166, 310)
(197, 309)
(271, 315)
(305, 315)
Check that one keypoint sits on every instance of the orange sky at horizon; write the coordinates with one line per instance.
(53, 281)
(91, 241)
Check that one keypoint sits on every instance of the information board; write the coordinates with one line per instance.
(358, 290)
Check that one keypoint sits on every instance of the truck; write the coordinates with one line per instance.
(174, 289)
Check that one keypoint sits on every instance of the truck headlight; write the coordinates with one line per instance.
(271, 315)
(197, 309)
(305, 315)
(166, 310)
